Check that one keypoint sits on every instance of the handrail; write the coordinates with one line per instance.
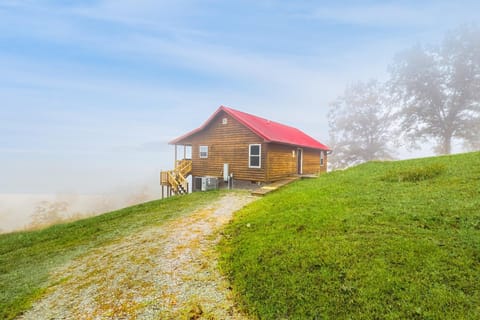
(176, 178)
(183, 166)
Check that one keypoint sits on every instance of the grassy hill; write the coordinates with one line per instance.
(27, 258)
(383, 240)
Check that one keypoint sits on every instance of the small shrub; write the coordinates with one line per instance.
(415, 174)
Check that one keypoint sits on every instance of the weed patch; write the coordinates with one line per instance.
(415, 173)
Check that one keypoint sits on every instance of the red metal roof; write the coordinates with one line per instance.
(270, 131)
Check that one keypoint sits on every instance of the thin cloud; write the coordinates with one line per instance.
(379, 14)
(295, 75)
(153, 14)
(393, 14)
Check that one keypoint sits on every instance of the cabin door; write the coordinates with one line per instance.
(299, 161)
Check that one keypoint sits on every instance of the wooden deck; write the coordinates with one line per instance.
(273, 186)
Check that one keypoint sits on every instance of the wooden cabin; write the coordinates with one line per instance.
(234, 146)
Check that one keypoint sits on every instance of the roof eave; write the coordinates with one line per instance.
(325, 148)
(246, 124)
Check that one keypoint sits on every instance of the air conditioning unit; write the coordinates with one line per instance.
(209, 183)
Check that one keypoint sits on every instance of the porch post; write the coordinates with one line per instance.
(175, 164)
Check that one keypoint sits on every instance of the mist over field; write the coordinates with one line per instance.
(50, 190)
(36, 197)
(31, 211)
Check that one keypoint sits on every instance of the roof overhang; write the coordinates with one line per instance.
(240, 117)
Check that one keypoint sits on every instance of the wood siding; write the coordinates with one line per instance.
(227, 143)
(281, 163)
(311, 161)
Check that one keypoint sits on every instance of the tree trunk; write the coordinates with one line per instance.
(446, 147)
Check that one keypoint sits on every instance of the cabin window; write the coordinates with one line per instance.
(203, 152)
(254, 156)
(322, 158)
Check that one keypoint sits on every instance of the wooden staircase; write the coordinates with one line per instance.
(176, 179)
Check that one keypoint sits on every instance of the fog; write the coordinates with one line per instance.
(32, 211)
(44, 192)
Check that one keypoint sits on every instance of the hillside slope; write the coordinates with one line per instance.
(391, 240)
(27, 259)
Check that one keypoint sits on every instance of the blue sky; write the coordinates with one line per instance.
(91, 91)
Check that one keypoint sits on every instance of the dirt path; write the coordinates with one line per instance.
(167, 272)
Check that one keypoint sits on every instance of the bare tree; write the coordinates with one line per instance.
(438, 89)
(359, 122)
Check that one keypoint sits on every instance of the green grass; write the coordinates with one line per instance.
(27, 258)
(383, 240)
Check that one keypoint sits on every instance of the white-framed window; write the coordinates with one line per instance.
(255, 156)
(322, 158)
(203, 152)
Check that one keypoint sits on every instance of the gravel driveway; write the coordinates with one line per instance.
(166, 272)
